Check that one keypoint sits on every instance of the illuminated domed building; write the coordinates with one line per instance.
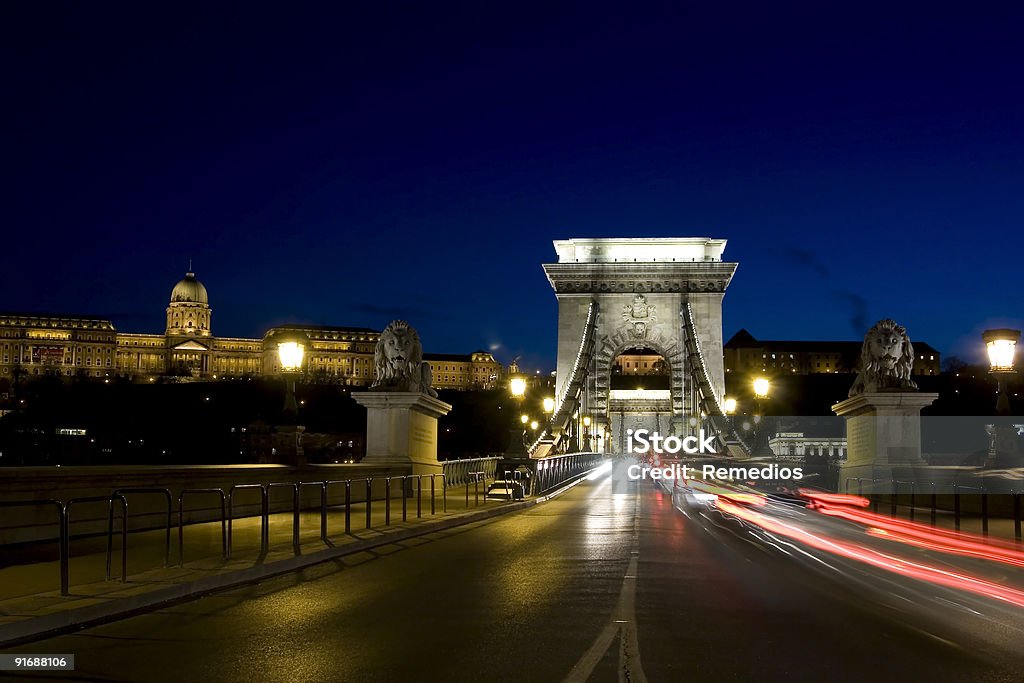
(188, 313)
(72, 345)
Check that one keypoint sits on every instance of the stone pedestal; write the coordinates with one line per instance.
(401, 429)
(883, 435)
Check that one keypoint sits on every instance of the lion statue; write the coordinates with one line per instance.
(886, 360)
(398, 361)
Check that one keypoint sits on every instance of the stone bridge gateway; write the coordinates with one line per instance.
(619, 294)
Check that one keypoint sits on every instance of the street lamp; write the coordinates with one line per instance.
(761, 388)
(291, 353)
(1001, 346)
(586, 433)
(729, 408)
(517, 385)
(517, 437)
(549, 405)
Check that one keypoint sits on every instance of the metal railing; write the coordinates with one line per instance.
(62, 545)
(294, 486)
(518, 483)
(559, 469)
(224, 533)
(458, 472)
(957, 493)
(64, 531)
(166, 493)
(264, 517)
(66, 534)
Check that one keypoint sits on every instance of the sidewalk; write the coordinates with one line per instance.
(31, 603)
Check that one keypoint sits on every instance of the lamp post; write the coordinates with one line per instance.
(290, 355)
(517, 437)
(761, 388)
(291, 352)
(1001, 346)
(586, 433)
(729, 408)
(517, 385)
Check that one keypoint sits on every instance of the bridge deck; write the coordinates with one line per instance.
(597, 581)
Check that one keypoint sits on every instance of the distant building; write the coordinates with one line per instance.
(640, 363)
(745, 354)
(797, 446)
(64, 344)
(76, 345)
(477, 370)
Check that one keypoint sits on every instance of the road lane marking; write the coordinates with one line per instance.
(622, 623)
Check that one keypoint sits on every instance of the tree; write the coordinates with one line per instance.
(953, 364)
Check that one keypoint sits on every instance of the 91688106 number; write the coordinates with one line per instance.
(32, 662)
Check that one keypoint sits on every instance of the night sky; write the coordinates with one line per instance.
(353, 163)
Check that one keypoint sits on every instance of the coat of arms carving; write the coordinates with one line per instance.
(639, 315)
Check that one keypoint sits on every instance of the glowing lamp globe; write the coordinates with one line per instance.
(1001, 346)
(549, 405)
(290, 354)
(761, 387)
(729, 406)
(518, 386)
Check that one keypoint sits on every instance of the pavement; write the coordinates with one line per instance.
(31, 604)
(604, 583)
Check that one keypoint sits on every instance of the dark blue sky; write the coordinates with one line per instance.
(352, 163)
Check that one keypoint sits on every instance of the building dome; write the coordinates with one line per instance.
(189, 290)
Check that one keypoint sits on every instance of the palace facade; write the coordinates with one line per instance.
(83, 346)
(745, 354)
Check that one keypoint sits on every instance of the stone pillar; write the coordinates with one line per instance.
(883, 436)
(401, 429)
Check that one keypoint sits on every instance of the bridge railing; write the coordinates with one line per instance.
(560, 469)
(404, 492)
(934, 498)
(551, 472)
(461, 472)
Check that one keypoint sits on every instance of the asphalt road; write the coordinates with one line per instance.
(595, 585)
